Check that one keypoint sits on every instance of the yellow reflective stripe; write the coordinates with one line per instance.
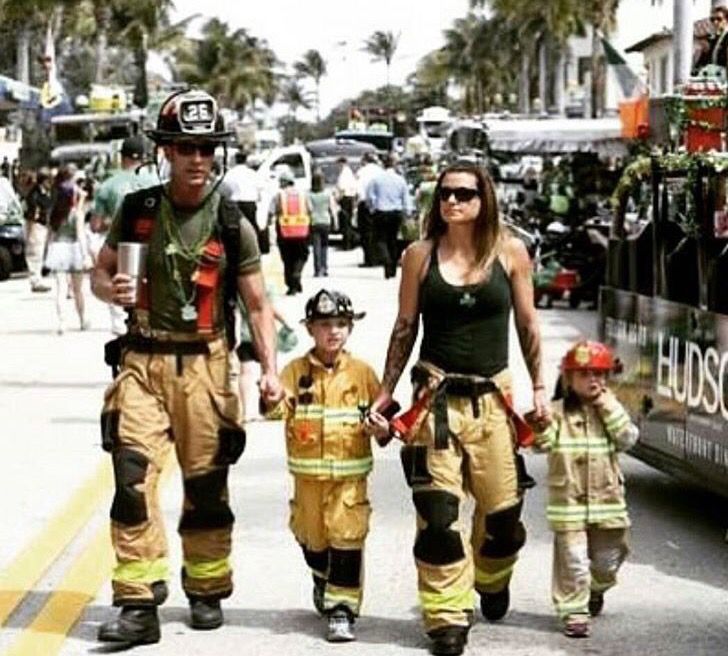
(456, 599)
(585, 441)
(329, 415)
(142, 571)
(342, 414)
(617, 422)
(583, 448)
(207, 569)
(487, 578)
(548, 436)
(593, 512)
(309, 412)
(334, 598)
(577, 606)
(333, 468)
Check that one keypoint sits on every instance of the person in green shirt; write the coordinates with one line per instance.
(323, 207)
(107, 200)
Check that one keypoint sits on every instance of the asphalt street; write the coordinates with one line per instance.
(55, 558)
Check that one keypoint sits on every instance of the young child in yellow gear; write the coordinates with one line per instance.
(586, 507)
(327, 394)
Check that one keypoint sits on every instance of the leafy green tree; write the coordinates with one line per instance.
(382, 46)
(538, 26)
(235, 66)
(293, 95)
(313, 65)
(143, 25)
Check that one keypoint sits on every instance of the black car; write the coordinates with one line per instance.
(12, 248)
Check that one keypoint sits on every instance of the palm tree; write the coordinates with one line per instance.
(602, 16)
(473, 58)
(313, 65)
(382, 46)
(293, 95)
(28, 18)
(237, 66)
(542, 25)
(145, 24)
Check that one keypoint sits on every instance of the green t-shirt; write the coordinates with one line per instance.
(108, 197)
(320, 204)
(166, 298)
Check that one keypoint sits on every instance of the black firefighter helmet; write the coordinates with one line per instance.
(329, 304)
(189, 115)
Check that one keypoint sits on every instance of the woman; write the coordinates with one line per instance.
(464, 278)
(323, 207)
(68, 255)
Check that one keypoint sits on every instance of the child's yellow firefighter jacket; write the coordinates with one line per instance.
(324, 414)
(585, 482)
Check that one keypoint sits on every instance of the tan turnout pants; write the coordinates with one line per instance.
(479, 461)
(330, 520)
(584, 561)
(158, 400)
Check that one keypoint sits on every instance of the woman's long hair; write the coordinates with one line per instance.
(488, 232)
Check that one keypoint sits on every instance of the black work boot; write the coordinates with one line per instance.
(449, 640)
(136, 625)
(205, 613)
(494, 605)
(596, 603)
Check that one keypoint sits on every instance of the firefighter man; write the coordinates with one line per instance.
(327, 394)
(172, 388)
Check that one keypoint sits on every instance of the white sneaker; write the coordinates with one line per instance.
(341, 627)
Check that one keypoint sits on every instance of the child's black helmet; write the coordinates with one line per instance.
(329, 304)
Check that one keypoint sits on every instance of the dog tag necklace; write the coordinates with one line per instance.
(192, 253)
(188, 312)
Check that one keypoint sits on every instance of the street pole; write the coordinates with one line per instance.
(682, 41)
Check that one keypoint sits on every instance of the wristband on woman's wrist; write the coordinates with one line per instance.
(539, 386)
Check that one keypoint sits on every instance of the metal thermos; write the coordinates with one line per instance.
(132, 260)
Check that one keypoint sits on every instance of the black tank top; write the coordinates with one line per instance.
(465, 326)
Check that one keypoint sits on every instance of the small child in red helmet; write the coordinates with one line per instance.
(586, 507)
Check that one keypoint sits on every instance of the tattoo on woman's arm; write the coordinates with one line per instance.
(530, 339)
(401, 342)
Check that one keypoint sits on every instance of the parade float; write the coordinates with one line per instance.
(664, 308)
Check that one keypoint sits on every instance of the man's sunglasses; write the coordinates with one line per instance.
(186, 148)
(716, 19)
(462, 194)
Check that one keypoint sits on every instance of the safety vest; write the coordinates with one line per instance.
(139, 212)
(294, 221)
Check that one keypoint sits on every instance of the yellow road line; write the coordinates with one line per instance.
(80, 585)
(30, 565)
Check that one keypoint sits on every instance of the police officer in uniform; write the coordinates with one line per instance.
(173, 386)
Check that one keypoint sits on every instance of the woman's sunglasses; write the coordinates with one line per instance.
(186, 148)
(462, 194)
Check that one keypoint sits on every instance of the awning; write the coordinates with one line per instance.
(601, 136)
(14, 93)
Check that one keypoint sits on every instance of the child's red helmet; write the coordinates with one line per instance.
(588, 355)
